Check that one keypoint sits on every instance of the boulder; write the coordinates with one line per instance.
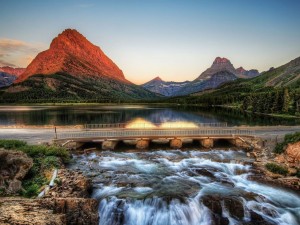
(14, 165)
(217, 204)
(292, 153)
(291, 156)
(81, 211)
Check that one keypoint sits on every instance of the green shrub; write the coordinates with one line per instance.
(274, 168)
(51, 162)
(12, 144)
(280, 148)
(292, 138)
(288, 138)
(30, 191)
(298, 173)
(41, 151)
(32, 186)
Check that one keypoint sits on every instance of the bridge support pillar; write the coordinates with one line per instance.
(142, 144)
(109, 144)
(207, 142)
(176, 143)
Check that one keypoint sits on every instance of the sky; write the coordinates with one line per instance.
(174, 39)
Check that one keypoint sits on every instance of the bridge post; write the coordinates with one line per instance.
(142, 143)
(207, 142)
(176, 143)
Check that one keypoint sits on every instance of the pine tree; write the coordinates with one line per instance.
(275, 105)
(246, 103)
(286, 100)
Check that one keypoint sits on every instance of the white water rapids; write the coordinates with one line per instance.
(184, 188)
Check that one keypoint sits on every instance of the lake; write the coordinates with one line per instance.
(130, 114)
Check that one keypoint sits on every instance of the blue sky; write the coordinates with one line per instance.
(173, 39)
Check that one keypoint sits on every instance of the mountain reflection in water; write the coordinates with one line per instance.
(97, 114)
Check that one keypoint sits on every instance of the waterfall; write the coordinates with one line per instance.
(184, 188)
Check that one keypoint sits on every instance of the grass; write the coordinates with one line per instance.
(45, 158)
(274, 168)
(12, 144)
(288, 138)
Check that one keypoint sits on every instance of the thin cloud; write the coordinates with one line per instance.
(9, 45)
(18, 53)
(4, 63)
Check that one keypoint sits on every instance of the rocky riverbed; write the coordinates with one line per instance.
(185, 187)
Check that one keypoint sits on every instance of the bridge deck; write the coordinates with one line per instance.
(153, 133)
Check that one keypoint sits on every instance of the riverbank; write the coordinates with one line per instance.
(67, 203)
(25, 171)
(280, 168)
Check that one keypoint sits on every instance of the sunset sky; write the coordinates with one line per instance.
(173, 39)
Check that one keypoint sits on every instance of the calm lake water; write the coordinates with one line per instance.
(129, 114)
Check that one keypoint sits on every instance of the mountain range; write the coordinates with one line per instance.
(165, 88)
(9, 74)
(220, 72)
(73, 69)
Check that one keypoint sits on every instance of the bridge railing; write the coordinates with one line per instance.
(170, 125)
(158, 133)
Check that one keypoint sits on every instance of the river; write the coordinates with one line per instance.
(184, 187)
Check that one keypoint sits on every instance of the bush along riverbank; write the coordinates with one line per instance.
(24, 172)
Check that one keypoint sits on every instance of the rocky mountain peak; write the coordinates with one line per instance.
(219, 64)
(220, 60)
(70, 52)
(70, 38)
(157, 79)
(240, 70)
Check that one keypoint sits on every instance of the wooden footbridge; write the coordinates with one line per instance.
(107, 136)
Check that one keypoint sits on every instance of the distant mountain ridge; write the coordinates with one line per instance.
(12, 71)
(166, 88)
(220, 72)
(276, 91)
(242, 73)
